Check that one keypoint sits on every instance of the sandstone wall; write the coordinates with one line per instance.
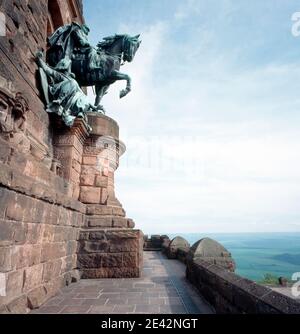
(108, 245)
(39, 229)
(110, 254)
(39, 219)
(56, 184)
(26, 23)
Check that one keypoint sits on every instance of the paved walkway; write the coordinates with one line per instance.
(161, 289)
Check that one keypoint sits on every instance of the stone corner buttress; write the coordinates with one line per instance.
(109, 246)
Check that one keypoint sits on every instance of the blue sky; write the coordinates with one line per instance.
(212, 124)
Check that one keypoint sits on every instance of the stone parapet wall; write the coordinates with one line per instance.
(210, 268)
(155, 242)
(182, 253)
(231, 294)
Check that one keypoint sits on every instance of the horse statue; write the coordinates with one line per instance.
(98, 67)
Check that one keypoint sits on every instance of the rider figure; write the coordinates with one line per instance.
(70, 38)
(83, 45)
(67, 99)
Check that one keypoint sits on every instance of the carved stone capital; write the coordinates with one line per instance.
(65, 136)
(13, 110)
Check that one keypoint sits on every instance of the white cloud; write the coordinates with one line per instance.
(212, 146)
(189, 8)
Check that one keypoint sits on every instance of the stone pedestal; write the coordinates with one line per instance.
(108, 246)
(68, 151)
(100, 160)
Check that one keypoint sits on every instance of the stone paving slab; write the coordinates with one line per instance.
(162, 289)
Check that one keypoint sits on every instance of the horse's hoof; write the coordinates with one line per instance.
(123, 93)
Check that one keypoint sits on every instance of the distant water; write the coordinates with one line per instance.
(257, 254)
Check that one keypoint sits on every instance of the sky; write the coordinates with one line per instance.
(212, 123)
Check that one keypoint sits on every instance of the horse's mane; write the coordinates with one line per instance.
(108, 41)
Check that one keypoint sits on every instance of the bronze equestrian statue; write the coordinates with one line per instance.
(73, 63)
(93, 67)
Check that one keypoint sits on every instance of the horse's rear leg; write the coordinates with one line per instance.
(100, 92)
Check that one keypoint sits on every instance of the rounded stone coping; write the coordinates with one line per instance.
(209, 248)
(179, 242)
(212, 252)
(110, 143)
(103, 125)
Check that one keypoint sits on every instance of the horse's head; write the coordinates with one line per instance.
(121, 44)
(130, 47)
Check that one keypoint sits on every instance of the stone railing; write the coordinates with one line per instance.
(181, 254)
(232, 294)
(156, 242)
(210, 269)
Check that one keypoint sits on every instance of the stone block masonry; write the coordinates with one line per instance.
(112, 253)
(57, 196)
(49, 236)
(108, 247)
(38, 244)
(39, 229)
(229, 293)
(210, 268)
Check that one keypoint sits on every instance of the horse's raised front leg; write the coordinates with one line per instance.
(116, 75)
